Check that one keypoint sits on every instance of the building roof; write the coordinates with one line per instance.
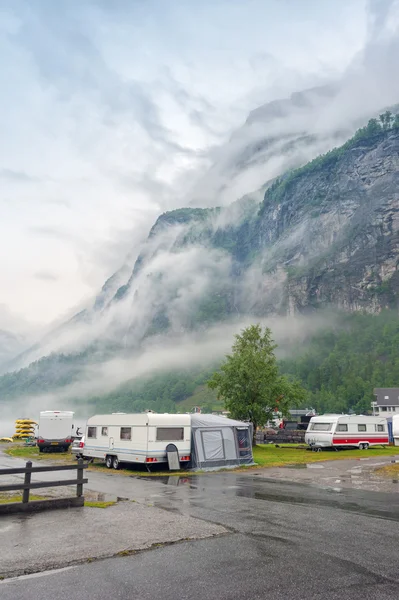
(387, 396)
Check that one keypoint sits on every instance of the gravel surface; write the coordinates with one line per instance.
(52, 539)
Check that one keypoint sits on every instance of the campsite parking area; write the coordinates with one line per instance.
(284, 538)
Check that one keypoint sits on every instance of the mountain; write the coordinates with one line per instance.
(10, 345)
(324, 235)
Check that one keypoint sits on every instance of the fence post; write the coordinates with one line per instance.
(28, 475)
(79, 487)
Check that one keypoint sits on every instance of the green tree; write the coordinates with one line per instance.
(249, 381)
(385, 119)
(373, 127)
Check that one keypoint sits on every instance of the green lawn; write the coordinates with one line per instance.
(270, 456)
(265, 455)
(33, 452)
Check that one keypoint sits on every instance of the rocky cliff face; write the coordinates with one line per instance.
(333, 230)
(326, 234)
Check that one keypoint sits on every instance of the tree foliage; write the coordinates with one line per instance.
(249, 381)
(341, 365)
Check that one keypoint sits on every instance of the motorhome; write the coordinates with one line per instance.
(137, 438)
(346, 431)
(395, 429)
(55, 430)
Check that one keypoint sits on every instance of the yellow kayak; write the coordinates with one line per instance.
(24, 430)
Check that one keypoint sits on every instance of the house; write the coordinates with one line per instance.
(386, 400)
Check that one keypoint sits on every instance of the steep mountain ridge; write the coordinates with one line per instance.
(325, 234)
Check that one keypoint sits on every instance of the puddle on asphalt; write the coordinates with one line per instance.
(102, 497)
(171, 480)
(304, 466)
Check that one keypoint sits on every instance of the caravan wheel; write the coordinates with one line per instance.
(364, 446)
(115, 462)
(108, 462)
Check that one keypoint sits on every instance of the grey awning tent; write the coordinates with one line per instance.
(219, 442)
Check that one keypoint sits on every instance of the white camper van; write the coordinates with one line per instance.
(55, 430)
(395, 429)
(346, 431)
(136, 438)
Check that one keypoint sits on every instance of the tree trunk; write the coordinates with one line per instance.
(254, 426)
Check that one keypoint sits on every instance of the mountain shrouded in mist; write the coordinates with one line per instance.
(323, 236)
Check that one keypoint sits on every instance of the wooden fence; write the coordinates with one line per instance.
(27, 485)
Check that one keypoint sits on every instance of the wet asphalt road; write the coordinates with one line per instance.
(287, 541)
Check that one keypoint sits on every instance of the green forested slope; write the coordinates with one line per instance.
(339, 366)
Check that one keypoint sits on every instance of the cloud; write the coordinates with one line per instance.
(160, 354)
(56, 232)
(110, 109)
(16, 176)
(45, 276)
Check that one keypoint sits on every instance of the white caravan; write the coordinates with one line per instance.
(395, 429)
(136, 438)
(55, 430)
(358, 431)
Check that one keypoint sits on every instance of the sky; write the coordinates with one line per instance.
(107, 108)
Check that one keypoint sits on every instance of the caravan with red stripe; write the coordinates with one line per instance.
(346, 431)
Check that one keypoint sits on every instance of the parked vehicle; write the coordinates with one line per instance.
(77, 447)
(137, 438)
(395, 429)
(346, 431)
(55, 430)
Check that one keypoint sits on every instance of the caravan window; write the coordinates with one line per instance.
(342, 427)
(126, 433)
(92, 432)
(362, 427)
(104, 430)
(380, 428)
(320, 426)
(170, 434)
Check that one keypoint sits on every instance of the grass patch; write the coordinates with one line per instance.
(389, 471)
(33, 452)
(99, 504)
(270, 456)
(126, 470)
(4, 499)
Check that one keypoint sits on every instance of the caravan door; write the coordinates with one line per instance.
(212, 443)
(111, 443)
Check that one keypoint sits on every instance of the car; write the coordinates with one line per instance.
(77, 447)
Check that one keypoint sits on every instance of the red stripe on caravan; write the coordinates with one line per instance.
(357, 440)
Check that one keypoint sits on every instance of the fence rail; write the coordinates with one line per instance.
(29, 506)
